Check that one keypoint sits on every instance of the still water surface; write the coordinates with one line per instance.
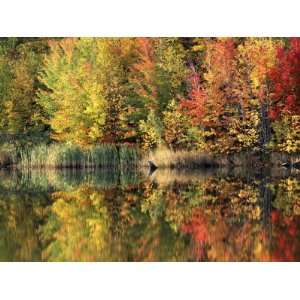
(129, 216)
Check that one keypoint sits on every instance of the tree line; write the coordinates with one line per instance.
(220, 95)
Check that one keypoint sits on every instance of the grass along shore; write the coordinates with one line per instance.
(69, 156)
(182, 159)
(63, 156)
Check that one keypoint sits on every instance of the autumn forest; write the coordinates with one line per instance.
(149, 149)
(212, 95)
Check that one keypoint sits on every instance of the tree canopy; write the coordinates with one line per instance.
(220, 95)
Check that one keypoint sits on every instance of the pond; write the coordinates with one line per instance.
(108, 215)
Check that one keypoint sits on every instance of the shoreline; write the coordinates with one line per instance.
(185, 162)
(123, 156)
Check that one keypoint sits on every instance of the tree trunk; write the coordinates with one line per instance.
(265, 130)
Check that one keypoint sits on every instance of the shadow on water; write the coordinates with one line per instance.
(169, 215)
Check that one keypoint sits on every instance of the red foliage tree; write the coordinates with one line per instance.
(194, 105)
(208, 101)
(145, 67)
(285, 79)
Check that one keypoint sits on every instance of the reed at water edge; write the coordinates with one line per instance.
(181, 159)
(71, 156)
(189, 160)
(60, 156)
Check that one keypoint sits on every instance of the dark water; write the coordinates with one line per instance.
(168, 216)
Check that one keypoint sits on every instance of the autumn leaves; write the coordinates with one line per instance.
(222, 95)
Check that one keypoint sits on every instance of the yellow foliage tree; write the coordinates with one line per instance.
(256, 57)
(83, 78)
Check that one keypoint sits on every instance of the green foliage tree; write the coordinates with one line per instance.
(179, 131)
(84, 80)
(156, 78)
(20, 62)
(151, 131)
(256, 57)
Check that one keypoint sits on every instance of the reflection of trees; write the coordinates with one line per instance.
(215, 219)
(198, 227)
(287, 196)
(196, 221)
(150, 236)
(227, 225)
(237, 223)
(217, 238)
(223, 218)
(89, 224)
(285, 241)
(285, 221)
(21, 213)
(155, 241)
(77, 228)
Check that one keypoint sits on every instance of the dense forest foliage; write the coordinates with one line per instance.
(220, 95)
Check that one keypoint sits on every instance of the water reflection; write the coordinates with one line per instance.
(169, 216)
